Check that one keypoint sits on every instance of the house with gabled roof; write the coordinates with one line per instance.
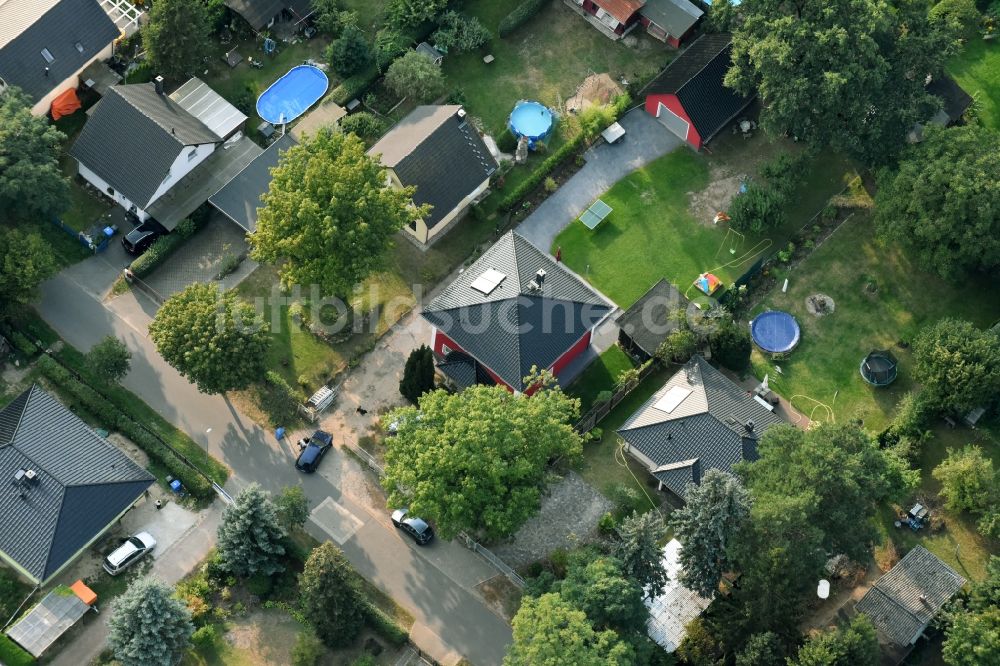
(63, 485)
(262, 14)
(690, 98)
(437, 150)
(669, 21)
(513, 309)
(699, 420)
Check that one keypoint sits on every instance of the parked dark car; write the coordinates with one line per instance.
(312, 450)
(416, 528)
(139, 239)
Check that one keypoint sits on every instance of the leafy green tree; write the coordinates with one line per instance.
(638, 550)
(308, 648)
(457, 33)
(404, 13)
(961, 17)
(840, 473)
(968, 481)
(840, 74)
(328, 218)
(476, 460)
(853, 645)
(418, 374)
(731, 345)
(250, 535)
(678, 346)
(26, 261)
(722, 16)
(763, 649)
(330, 17)
(349, 53)
(942, 204)
(989, 523)
(700, 647)
(415, 76)
(214, 339)
(548, 630)
(31, 183)
(390, 43)
(986, 593)
(366, 125)
(109, 359)
(329, 596)
(177, 37)
(149, 626)
(958, 366)
(599, 587)
(706, 525)
(759, 208)
(292, 506)
(973, 639)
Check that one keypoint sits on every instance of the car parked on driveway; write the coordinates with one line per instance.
(130, 552)
(416, 528)
(139, 239)
(312, 450)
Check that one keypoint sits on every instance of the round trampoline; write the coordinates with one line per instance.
(879, 368)
(532, 120)
(775, 332)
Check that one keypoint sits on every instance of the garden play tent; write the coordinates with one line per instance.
(708, 283)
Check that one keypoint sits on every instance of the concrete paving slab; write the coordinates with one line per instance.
(334, 519)
(168, 525)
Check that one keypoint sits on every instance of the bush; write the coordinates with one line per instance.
(507, 142)
(758, 208)
(365, 660)
(458, 33)
(595, 118)
(538, 175)
(308, 648)
(12, 655)
(384, 626)
(521, 15)
(364, 124)
(163, 248)
(731, 346)
(785, 172)
(627, 500)
(607, 524)
(415, 76)
(353, 87)
(246, 99)
(260, 585)
(204, 638)
(282, 400)
(350, 53)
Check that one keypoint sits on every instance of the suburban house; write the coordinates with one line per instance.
(669, 21)
(262, 14)
(46, 44)
(239, 199)
(645, 325)
(66, 486)
(162, 156)
(699, 420)
(673, 609)
(514, 308)
(904, 601)
(954, 103)
(437, 150)
(689, 96)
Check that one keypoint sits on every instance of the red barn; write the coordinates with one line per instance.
(689, 97)
(669, 21)
(512, 309)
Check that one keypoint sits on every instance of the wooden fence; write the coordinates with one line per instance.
(599, 411)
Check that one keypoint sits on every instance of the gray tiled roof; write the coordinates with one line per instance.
(239, 199)
(257, 12)
(60, 29)
(516, 327)
(674, 16)
(133, 137)
(649, 320)
(83, 483)
(707, 430)
(894, 603)
(440, 154)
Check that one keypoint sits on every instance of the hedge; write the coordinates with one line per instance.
(521, 15)
(12, 655)
(163, 248)
(526, 186)
(354, 86)
(385, 626)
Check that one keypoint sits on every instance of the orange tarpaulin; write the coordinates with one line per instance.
(65, 104)
(85, 594)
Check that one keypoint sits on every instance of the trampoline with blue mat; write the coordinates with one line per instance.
(290, 96)
(532, 120)
(775, 332)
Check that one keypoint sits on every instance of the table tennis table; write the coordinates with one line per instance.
(595, 214)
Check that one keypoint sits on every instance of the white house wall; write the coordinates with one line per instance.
(43, 105)
(444, 223)
(105, 189)
(181, 167)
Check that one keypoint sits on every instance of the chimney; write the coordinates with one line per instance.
(540, 277)
(461, 114)
(750, 425)
(923, 599)
(158, 84)
(46, 71)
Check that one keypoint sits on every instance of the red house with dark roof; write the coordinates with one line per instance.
(669, 21)
(689, 97)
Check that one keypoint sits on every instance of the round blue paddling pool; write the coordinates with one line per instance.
(532, 120)
(775, 332)
(291, 95)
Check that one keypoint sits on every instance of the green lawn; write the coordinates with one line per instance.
(977, 70)
(824, 367)
(601, 375)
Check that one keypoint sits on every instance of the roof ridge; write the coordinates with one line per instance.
(20, 417)
(520, 293)
(705, 66)
(170, 131)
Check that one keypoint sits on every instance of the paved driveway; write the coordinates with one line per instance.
(645, 140)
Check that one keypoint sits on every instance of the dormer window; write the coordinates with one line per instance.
(48, 56)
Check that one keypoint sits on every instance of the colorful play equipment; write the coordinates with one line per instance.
(708, 283)
(532, 120)
(775, 332)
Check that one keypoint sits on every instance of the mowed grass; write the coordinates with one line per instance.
(977, 70)
(823, 369)
(601, 375)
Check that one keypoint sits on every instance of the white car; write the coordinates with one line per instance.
(131, 550)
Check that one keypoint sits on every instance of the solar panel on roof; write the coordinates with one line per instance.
(488, 281)
(672, 398)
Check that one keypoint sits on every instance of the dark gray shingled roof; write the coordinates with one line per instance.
(133, 137)
(440, 154)
(258, 13)
(706, 430)
(894, 603)
(239, 199)
(674, 16)
(649, 320)
(60, 29)
(515, 327)
(954, 99)
(696, 77)
(83, 483)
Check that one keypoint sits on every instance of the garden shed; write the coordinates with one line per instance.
(650, 320)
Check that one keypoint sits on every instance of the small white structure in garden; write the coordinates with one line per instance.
(670, 612)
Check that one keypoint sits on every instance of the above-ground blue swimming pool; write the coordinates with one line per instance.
(289, 97)
(531, 119)
(775, 331)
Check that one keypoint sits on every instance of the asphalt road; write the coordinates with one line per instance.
(432, 584)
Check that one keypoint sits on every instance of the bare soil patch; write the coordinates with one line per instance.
(596, 89)
(820, 305)
(714, 198)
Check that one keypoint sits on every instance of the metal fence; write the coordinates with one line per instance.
(492, 558)
(599, 411)
(82, 238)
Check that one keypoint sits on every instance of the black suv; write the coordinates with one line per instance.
(139, 239)
(312, 450)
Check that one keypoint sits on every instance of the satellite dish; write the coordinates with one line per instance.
(823, 591)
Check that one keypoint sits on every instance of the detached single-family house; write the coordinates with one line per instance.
(161, 156)
(437, 150)
(45, 44)
(699, 420)
(645, 325)
(515, 307)
(904, 601)
(64, 485)
(262, 14)
(689, 96)
(669, 21)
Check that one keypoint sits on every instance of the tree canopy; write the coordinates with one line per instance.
(292, 506)
(415, 75)
(638, 550)
(943, 203)
(328, 218)
(31, 183)
(476, 460)
(457, 33)
(958, 366)
(250, 537)
(403, 13)
(177, 37)
(610, 598)
(329, 596)
(841, 74)
(214, 339)
(972, 635)
(109, 359)
(418, 374)
(26, 260)
(149, 626)
(968, 481)
(853, 645)
(349, 53)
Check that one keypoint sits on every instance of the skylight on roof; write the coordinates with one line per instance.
(48, 56)
(79, 47)
(672, 398)
(488, 281)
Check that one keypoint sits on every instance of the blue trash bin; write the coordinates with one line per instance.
(175, 485)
